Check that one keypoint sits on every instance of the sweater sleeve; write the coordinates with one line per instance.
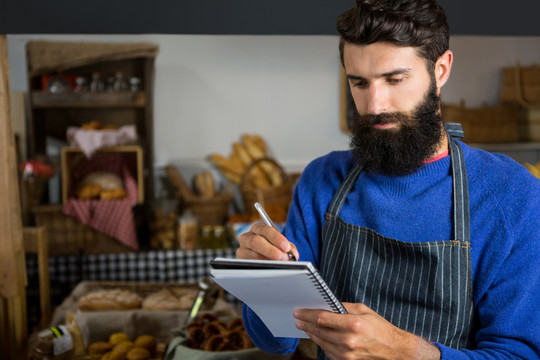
(507, 279)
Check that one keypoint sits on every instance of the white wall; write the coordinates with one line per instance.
(211, 89)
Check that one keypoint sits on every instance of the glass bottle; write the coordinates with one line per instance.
(81, 85)
(110, 84)
(120, 83)
(135, 84)
(97, 84)
(207, 237)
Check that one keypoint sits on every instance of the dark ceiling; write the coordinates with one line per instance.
(276, 17)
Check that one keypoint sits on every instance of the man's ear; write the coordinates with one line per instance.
(443, 66)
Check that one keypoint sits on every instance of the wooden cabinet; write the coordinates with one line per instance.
(52, 113)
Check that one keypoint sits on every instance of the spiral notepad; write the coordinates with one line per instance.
(273, 289)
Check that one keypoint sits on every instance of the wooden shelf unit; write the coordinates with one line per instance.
(52, 113)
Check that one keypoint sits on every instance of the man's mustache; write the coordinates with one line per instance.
(382, 119)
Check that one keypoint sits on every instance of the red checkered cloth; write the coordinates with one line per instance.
(112, 217)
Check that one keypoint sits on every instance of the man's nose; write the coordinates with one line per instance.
(376, 100)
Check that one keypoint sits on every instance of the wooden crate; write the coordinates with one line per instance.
(67, 236)
(70, 156)
(497, 124)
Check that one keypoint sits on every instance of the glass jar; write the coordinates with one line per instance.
(57, 85)
(188, 232)
(96, 84)
(163, 224)
(221, 239)
(120, 82)
(109, 87)
(135, 84)
(81, 85)
(207, 237)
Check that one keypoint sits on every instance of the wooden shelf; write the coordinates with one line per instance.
(45, 100)
(71, 155)
(508, 146)
(521, 152)
(51, 114)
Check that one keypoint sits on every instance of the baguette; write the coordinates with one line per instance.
(257, 153)
(182, 188)
(257, 175)
(260, 143)
(203, 183)
(230, 165)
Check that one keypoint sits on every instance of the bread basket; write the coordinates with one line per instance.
(271, 197)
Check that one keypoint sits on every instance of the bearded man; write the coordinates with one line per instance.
(432, 245)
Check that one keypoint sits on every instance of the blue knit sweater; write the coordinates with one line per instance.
(505, 238)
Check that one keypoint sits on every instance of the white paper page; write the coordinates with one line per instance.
(273, 295)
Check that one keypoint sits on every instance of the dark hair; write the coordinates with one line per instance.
(421, 24)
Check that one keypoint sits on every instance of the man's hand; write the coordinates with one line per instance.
(264, 243)
(361, 334)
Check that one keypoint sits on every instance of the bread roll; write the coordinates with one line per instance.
(107, 180)
(114, 356)
(117, 338)
(147, 342)
(99, 347)
(113, 194)
(123, 347)
(88, 191)
(138, 354)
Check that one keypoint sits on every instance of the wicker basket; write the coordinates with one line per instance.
(210, 210)
(279, 196)
(497, 124)
(67, 236)
(521, 85)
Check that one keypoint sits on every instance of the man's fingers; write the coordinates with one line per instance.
(255, 246)
(264, 242)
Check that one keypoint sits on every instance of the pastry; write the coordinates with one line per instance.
(147, 342)
(92, 125)
(107, 180)
(235, 324)
(239, 340)
(117, 338)
(113, 194)
(138, 354)
(88, 191)
(123, 347)
(216, 343)
(99, 347)
(115, 299)
(114, 356)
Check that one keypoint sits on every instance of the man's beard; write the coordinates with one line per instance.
(401, 150)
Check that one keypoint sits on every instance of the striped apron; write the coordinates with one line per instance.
(424, 288)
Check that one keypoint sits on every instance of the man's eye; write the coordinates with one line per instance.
(360, 84)
(395, 80)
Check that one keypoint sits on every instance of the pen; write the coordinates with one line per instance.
(270, 223)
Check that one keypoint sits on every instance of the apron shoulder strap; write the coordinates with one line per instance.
(454, 129)
(460, 184)
(343, 190)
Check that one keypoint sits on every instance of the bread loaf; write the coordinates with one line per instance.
(170, 299)
(114, 299)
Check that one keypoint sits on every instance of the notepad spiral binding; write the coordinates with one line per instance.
(328, 295)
